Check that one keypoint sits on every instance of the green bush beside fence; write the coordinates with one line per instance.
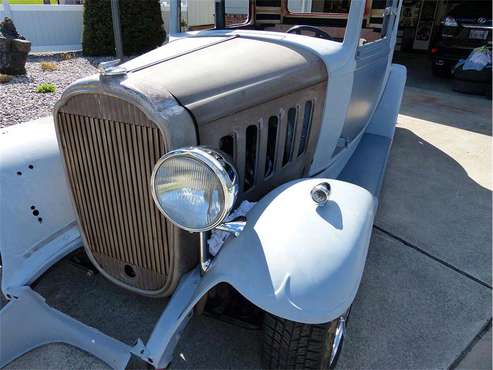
(141, 23)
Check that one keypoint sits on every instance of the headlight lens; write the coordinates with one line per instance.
(450, 22)
(195, 188)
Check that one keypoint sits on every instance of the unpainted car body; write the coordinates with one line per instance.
(198, 89)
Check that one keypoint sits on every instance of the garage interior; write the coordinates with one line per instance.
(419, 27)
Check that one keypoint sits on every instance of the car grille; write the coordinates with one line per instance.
(110, 147)
(109, 153)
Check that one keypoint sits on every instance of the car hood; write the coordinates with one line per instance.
(216, 76)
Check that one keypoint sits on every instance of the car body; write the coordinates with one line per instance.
(300, 125)
(466, 26)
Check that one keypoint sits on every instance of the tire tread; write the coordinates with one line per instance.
(291, 345)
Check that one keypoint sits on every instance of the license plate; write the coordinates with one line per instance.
(478, 34)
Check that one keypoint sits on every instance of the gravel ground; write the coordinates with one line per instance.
(18, 100)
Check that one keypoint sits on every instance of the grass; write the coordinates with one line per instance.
(48, 66)
(4, 78)
(28, 2)
(46, 87)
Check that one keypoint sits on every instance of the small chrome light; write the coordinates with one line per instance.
(195, 188)
(320, 193)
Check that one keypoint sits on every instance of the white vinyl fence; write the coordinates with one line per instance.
(59, 27)
(48, 27)
(201, 12)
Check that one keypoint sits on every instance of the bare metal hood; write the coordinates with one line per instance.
(216, 76)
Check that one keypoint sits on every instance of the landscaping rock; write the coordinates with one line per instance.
(14, 49)
(19, 101)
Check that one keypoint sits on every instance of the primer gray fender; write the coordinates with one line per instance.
(31, 175)
(295, 259)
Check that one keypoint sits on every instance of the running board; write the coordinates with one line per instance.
(366, 168)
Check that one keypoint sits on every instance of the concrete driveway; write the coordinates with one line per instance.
(425, 298)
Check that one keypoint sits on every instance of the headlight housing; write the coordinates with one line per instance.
(195, 188)
(450, 22)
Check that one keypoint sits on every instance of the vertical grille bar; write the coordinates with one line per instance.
(88, 179)
(281, 139)
(75, 178)
(109, 165)
(129, 214)
(262, 154)
(114, 178)
(164, 237)
(96, 157)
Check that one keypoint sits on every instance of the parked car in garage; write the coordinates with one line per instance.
(466, 26)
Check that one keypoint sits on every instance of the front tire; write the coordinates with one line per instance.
(292, 345)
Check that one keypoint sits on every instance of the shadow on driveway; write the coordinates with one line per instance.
(456, 110)
(430, 200)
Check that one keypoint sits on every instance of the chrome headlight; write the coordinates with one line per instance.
(195, 188)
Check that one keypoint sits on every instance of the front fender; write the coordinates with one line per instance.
(37, 220)
(297, 260)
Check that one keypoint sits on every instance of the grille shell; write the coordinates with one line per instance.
(92, 106)
(109, 163)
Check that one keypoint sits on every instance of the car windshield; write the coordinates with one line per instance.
(330, 16)
(320, 18)
(319, 6)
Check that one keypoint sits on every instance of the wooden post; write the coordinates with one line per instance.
(220, 9)
(117, 30)
(174, 17)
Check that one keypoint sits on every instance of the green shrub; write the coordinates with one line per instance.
(46, 87)
(97, 36)
(141, 23)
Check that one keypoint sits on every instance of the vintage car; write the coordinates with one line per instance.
(146, 161)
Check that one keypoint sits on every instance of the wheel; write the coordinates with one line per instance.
(292, 345)
(441, 71)
(488, 91)
(469, 87)
(483, 76)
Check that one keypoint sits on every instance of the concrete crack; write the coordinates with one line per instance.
(444, 263)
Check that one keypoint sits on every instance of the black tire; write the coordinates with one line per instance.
(470, 87)
(488, 91)
(292, 345)
(483, 76)
(441, 71)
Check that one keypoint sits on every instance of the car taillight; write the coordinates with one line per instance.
(434, 50)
